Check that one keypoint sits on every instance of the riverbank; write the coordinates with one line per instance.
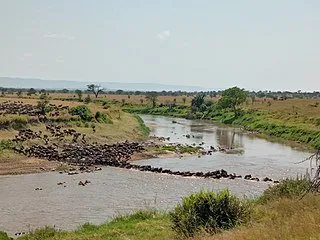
(276, 214)
(294, 120)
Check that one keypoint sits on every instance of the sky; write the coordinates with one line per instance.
(253, 44)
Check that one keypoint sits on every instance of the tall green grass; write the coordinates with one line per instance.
(142, 126)
(6, 145)
(287, 188)
(4, 236)
(210, 212)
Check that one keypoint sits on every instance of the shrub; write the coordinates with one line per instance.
(88, 99)
(210, 212)
(82, 111)
(13, 121)
(5, 144)
(287, 188)
(102, 118)
(4, 236)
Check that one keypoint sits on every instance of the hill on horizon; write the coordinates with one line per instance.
(11, 82)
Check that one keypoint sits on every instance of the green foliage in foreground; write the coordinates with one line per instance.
(209, 212)
(288, 188)
(144, 225)
(4, 236)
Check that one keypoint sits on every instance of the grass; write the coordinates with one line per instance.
(142, 127)
(181, 149)
(283, 219)
(144, 225)
(111, 126)
(298, 131)
(13, 121)
(289, 188)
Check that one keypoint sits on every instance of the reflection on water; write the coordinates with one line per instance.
(258, 157)
(229, 139)
(113, 191)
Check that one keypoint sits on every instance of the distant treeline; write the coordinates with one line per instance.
(282, 95)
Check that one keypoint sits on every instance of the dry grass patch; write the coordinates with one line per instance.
(283, 219)
(12, 163)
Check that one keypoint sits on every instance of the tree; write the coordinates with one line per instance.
(232, 98)
(95, 89)
(43, 103)
(197, 101)
(79, 93)
(19, 93)
(31, 91)
(152, 97)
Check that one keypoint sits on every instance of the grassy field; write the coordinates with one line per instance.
(120, 126)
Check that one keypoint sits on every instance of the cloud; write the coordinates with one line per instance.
(164, 35)
(60, 36)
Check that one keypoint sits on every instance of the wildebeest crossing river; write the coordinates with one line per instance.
(65, 204)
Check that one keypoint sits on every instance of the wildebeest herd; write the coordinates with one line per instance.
(69, 146)
(89, 154)
(18, 107)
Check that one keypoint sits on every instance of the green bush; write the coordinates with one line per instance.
(87, 99)
(102, 118)
(287, 188)
(4, 236)
(209, 212)
(5, 145)
(82, 111)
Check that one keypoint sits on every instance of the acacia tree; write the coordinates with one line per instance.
(197, 101)
(19, 93)
(43, 103)
(232, 98)
(79, 93)
(152, 97)
(95, 89)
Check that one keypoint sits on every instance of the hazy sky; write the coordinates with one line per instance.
(254, 44)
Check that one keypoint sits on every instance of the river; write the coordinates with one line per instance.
(115, 191)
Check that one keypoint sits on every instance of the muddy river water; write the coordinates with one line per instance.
(115, 191)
